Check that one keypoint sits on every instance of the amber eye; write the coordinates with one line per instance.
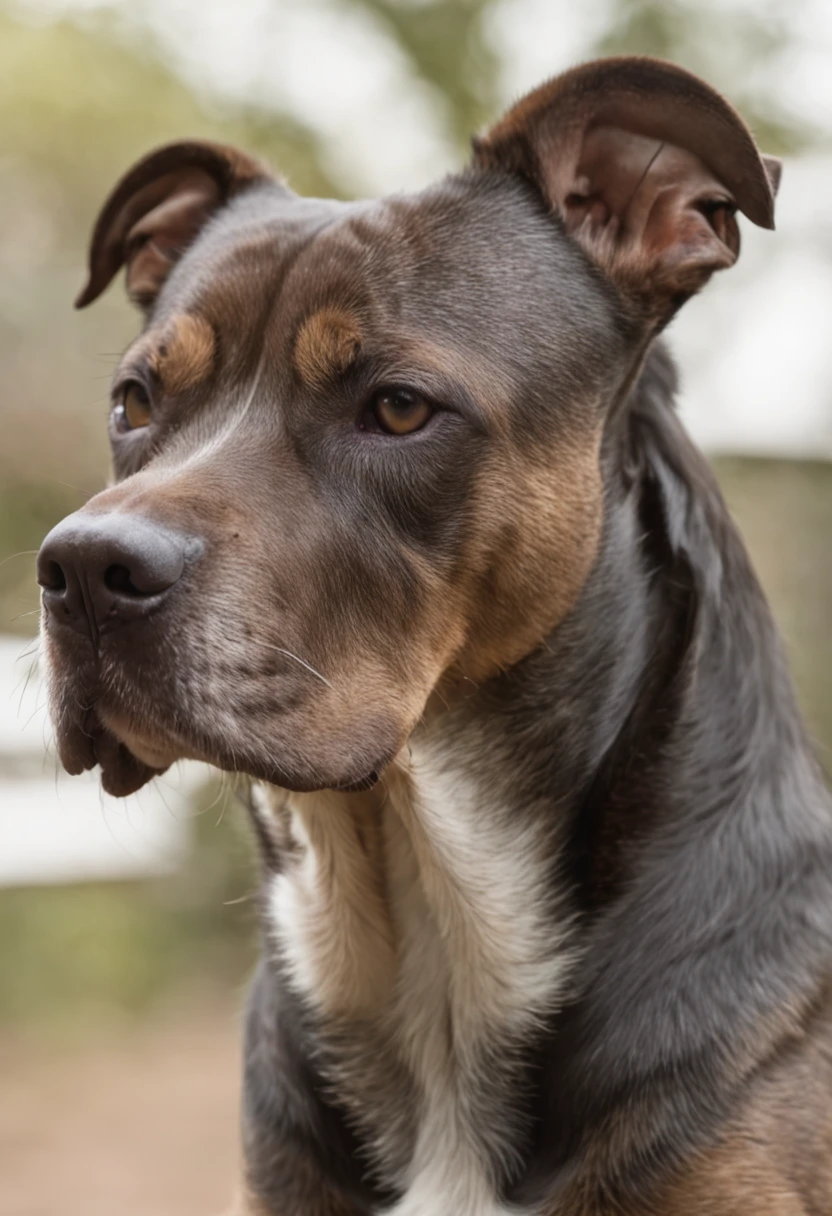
(132, 409)
(399, 412)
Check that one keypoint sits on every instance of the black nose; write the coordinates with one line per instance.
(101, 571)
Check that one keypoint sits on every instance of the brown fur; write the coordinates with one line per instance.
(539, 526)
(180, 353)
(775, 1158)
(186, 353)
(327, 344)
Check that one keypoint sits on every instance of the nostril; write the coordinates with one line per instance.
(52, 577)
(100, 571)
(118, 578)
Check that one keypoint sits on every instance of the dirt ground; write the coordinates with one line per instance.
(141, 1122)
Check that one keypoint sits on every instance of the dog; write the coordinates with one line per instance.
(405, 528)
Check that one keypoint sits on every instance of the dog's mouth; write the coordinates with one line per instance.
(96, 732)
(148, 697)
(86, 741)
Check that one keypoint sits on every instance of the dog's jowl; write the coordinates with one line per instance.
(405, 528)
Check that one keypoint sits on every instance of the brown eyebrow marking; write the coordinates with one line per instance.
(184, 354)
(180, 354)
(327, 344)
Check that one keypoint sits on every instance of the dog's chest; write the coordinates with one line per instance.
(423, 928)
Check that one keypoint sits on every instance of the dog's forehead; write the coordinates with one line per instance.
(467, 273)
(465, 247)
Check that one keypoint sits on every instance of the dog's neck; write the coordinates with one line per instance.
(482, 799)
(430, 924)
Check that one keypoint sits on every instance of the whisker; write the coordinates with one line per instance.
(32, 667)
(303, 663)
(222, 789)
(22, 553)
(158, 788)
(36, 710)
(241, 899)
(229, 783)
(386, 789)
(85, 494)
(226, 791)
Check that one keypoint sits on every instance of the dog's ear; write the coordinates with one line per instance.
(646, 166)
(156, 210)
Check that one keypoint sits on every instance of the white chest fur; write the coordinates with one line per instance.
(422, 926)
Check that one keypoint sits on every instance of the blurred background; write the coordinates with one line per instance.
(127, 929)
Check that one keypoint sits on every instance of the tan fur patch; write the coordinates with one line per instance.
(536, 531)
(737, 1179)
(181, 353)
(772, 1158)
(185, 353)
(326, 346)
(539, 529)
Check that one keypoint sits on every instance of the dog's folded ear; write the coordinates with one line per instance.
(646, 165)
(156, 210)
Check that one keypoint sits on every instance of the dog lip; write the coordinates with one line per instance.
(122, 772)
(145, 750)
(86, 742)
(76, 744)
(129, 756)
(125, 749)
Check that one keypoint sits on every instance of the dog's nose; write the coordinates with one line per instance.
(100, 571)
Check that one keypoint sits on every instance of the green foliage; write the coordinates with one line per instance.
(736, 48)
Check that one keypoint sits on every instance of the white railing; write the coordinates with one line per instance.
(55, 828)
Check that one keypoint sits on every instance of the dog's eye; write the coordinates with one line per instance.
(400, 412)
(132, 409)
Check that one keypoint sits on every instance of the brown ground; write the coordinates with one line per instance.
(141, 1123)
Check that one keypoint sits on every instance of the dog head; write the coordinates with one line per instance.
(357, 446)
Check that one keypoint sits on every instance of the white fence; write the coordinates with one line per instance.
(55, 828)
